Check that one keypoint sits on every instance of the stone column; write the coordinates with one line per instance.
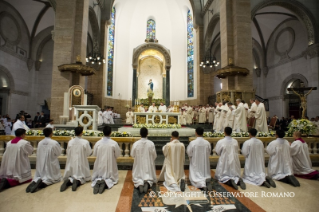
(168, 90)
(236, 42)
(134, 88)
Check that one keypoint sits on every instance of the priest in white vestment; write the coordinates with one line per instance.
(162, 108)
(15, 165)
(254, 171)
(246, 109)
(228, 166)
(253, 108)
(110, 116)
(198, 152)
(77, 169)
(301, 162)
(105, 172)
(261, 118)
(172, 172)
(211, 115)
(47, 166)
(202, 115)
(280, 162)
(182, 117)
(240, 121)
(152, 108)
(144, 153)
(216, 115)
(129, 117)
(141, 109)
(100, 117)
(189, 115)
(229, 122)
(220, 119)
(19, 124)
(106, 119)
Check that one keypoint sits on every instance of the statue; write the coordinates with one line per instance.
(150, 86)
(303, 99)
(150, 92)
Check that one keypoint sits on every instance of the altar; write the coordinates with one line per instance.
(156, 118)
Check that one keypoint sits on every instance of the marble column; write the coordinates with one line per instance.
(168, 90)
(70, 40)
(236, 42)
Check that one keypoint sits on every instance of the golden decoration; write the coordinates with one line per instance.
(77, 92)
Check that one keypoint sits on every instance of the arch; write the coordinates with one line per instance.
(258, 50)
(289, 79)
(210, 30)
(303, 14)
(7, 73)
(95, 29)
(141, 48)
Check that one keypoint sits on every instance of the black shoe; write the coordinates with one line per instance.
(103, 186)
(292, 180)
(232, 184)
(271, 182)
(141, 189)
(209, 184)
(4, 184)
(96, 187)
(182, 184)
(65, 185)
(266, 184)
(242, 185)
(146, 187)
(30, 186)
(75, 184)
(36, 186)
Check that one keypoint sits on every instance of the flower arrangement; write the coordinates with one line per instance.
(243, 134)
(72, 134)
(302, 125)
(63, 133)
(158, 126)
(121, 134)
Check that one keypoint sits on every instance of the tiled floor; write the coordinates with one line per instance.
(119, 198)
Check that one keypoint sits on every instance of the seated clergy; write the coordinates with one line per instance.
(254, 171)
(152, 108)
(173, 168)
(105, 172)
(280, 162)
(77, 169)
(129, 116)
(162, 108)
(47, 166)
(301, 162)
(144, 153)
(198, 152)
(15, 165)
(228, 166)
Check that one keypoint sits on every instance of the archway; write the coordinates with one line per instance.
(6, 86)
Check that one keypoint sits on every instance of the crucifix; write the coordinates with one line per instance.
(303, 97)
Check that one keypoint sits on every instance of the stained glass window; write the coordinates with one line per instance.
(110, 55)
(190, 55)
(151, 29)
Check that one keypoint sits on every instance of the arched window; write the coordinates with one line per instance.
(151, 29)
(190, 56)
(110, 55)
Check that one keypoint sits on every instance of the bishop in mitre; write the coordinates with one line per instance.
(240, 121)
(173, 168)
(129, 117)
(261, 118)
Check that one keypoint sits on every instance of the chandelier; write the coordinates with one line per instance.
(95, 58)
(209, 62)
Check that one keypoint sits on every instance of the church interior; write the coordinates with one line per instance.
(195, 67)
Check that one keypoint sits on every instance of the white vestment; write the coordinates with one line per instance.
(189, 117)
(316, 131)
(220, 119)
(110, 116)
(254, 171)
(240, 121)
(228, 166)
(100, 118)
(246, 109)
(48, 166)
(152, 109)
(106, 119)
(129, 117)
(173, 167)
(162, 108)
(301, 162)
(50, 126)
(142, 109)
(216, 116)
(182, 118)
(77, 165)
(261, 119)
(15, 162)
(252, 109)
(211, 115)
(105, 166)
(8, 128)
(198, 152)
(280, 163)
(202, 115)
(144, 153)
(19, 125)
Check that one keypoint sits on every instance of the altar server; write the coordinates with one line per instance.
(19, 124)
(129, 116)
(77, 169)
(280, 162)
(261, 118)
(152, 108)
(144, 154)
(173, 168)
(15, 165)
(254, 171)
(162, 108)
(198, 152)
(47, 166)
(100, 117)
(301, 162)
(105, 172)
(202, 115)
(240, 121)
(228, 166)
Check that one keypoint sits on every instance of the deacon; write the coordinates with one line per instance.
(19, 124)
(261, 118)
(47, 166)
(129, 117)
(240, 121)
(152, 108)
(77, 169)
(15, 165)
(144, 154)
(254, 171)
(162, 108)
(198, 152)
(301, 162)
(105, 172)
(228, 166)
(173, 168)
(280, 163)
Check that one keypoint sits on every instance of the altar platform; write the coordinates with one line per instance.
(184, 131)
